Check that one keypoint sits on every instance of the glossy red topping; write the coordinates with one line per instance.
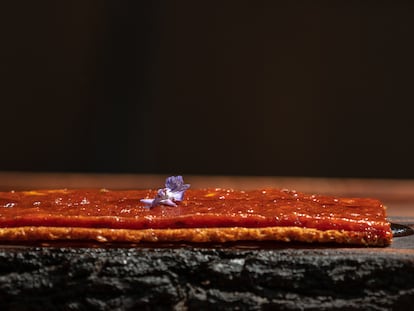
(200, 208)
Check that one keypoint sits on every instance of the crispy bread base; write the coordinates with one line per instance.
(193, 235)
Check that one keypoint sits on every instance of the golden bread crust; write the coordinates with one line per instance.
(192, 235)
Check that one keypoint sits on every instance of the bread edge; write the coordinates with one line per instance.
(194, 235)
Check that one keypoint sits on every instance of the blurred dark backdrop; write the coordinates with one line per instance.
(299, 88)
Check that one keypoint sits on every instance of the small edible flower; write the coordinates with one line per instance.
(173, 192)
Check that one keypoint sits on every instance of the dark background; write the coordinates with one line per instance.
(296, 88)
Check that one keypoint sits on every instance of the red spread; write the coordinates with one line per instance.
(199, 209)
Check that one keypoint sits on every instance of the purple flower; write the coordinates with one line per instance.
(173, 192)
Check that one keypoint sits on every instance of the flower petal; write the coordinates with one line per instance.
(147, 201)
(176, 196)
(173, 182)
(176, 183)
(168, 202)
(173, 192)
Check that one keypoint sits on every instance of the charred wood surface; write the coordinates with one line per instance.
(59, 278)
